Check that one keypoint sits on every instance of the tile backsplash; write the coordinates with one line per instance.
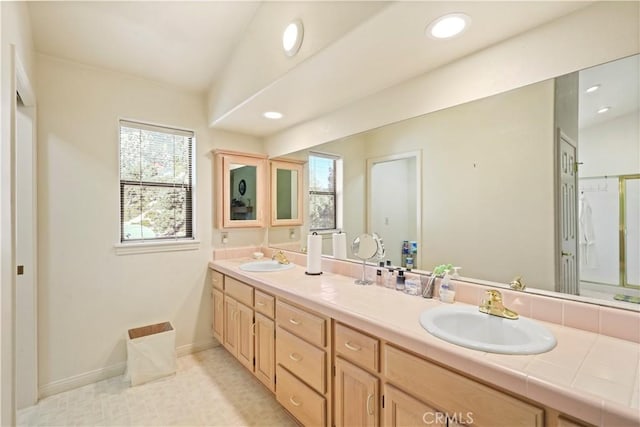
(618, 323)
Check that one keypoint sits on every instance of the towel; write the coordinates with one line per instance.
(586, 234)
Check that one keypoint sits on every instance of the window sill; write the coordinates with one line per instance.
(153, 247)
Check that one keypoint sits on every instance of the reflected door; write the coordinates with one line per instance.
(568, 217)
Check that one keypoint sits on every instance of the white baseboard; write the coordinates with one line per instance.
(80, 380)
(105, 373)
(195, 347)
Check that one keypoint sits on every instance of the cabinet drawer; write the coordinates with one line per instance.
(452, 392)
(238, 290)
(301, 358)
(357, 347)
(217, 280)
(264, 303)
(303, 403)
(306, 325)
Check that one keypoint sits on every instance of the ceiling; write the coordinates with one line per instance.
(181, 43)
(350, 49)
(619, 90)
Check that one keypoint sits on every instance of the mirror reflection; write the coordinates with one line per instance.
(242, 182)
(286, 194)
(535, 182)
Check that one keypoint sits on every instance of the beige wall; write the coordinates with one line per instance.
(487, 186)
(89, 296)
(15, 51)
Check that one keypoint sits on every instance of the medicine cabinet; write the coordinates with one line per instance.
(241, 189)
(286, 192)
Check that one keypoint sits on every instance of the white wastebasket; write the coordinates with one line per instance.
(151, 353)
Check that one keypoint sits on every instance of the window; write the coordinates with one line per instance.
(324, 183)
(156, 183)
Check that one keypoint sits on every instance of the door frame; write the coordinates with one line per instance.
(622, 230)
(417, 155)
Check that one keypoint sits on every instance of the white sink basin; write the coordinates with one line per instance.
(265, 266)
(468, 327)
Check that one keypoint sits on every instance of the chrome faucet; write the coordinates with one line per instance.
(517, 284)
(492, 304)
(280, 257)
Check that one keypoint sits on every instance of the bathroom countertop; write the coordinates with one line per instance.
(595, 378)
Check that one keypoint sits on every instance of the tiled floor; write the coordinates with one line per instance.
(210, 389)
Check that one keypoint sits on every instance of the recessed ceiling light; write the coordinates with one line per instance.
(448, 26)
(292, 37)
(273, 115)
(592, 89)
(604, 110)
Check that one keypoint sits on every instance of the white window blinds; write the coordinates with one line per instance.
(156, 183)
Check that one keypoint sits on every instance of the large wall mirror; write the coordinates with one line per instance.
(492, 198)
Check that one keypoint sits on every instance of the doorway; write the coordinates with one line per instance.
(26, 354)
(393, 208)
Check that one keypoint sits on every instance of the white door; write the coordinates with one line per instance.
(568, 214)
(25, 232)
(394, 192)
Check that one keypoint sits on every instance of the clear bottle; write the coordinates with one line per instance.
(400, 281)
(389, 279)
(379, 279)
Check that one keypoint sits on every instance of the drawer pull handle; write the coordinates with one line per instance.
(295, 357)
(294, 322)
(352, 347)
(293, 401)
(260, 304)
(369, 408)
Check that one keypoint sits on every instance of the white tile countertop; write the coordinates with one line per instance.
(593, 377)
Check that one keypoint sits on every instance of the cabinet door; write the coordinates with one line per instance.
(245, 336)
(218, 314)
(400, 409)
(230, 336)
(265, 351)
(357, 396)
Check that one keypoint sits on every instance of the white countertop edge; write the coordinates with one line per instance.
(460, 359)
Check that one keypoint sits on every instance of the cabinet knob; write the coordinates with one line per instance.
(295, 357)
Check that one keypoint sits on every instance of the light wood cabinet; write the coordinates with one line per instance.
(454, 393)
(328, 373)
(357, 347)
(230, 328)
(356, 397)
(265, 350)
(309, 407)
(218, 314)
(238, 331)
(245, 336)
(402, 410)
(303, 356)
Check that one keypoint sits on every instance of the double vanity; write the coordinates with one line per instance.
(335, 353)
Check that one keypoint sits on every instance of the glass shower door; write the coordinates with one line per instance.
(630, 231)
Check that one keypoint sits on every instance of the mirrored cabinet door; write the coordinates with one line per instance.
(286, 192)
(241, 190)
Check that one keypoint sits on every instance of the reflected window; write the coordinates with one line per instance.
(324, 185)
(156, 181)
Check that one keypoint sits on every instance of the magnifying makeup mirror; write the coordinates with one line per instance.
(365, 247)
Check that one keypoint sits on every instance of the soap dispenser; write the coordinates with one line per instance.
(447, 293)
